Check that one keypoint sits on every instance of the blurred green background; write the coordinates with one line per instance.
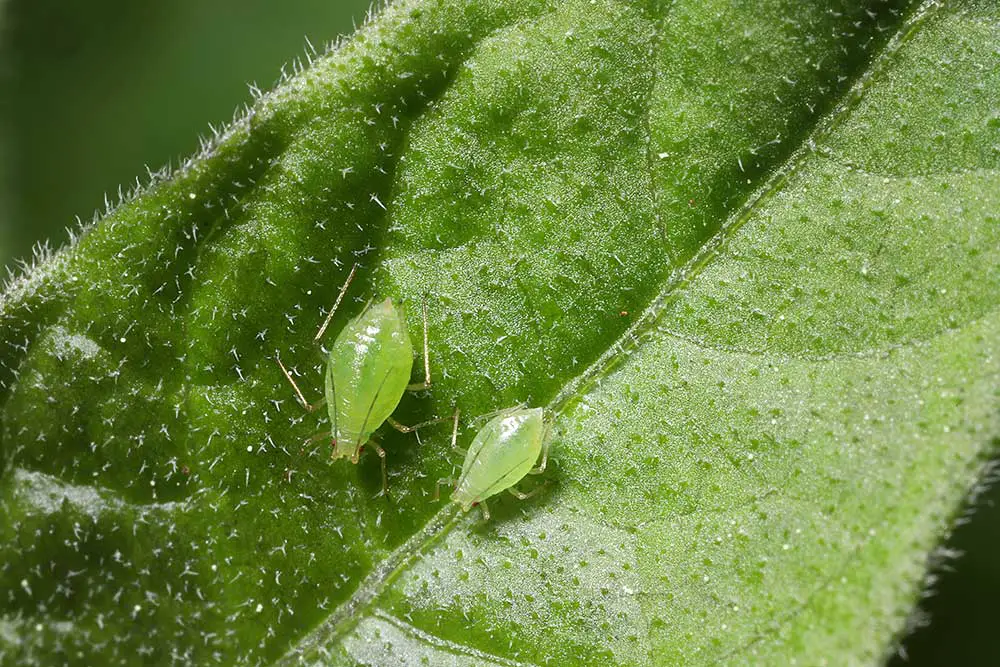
(93, 92)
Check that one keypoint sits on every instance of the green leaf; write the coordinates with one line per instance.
(746, 254)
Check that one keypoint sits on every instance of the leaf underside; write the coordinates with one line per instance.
(747, 254)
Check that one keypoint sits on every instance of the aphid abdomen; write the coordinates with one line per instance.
(368, 370)
(501, 454)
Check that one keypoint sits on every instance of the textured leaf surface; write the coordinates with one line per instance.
(747, 254)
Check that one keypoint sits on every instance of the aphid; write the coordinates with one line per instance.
(501, 454)
(368, 369)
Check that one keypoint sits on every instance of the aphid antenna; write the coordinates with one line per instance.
(418, 386)
(309, 407)
(336, 304)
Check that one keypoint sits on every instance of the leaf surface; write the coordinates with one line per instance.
(746, 254)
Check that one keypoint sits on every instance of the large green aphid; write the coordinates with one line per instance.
(501, 454)
(368, 370)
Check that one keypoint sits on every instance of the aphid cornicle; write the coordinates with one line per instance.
(367, 371)
(501, 454)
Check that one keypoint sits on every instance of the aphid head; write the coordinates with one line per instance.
(383, 311)
(517, 419)
(384, 318)
(387, 307)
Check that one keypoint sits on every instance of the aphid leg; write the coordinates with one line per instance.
(520, 495)
(340, 297)
(403, 428)
(316, 438)
(485, 509)
(545, 452)
(418, 386)
(454, 445)
(381, 454)
(437, 487)
(325, 435)
(309, 407)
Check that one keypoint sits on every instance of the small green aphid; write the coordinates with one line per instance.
(367, 371)
(501, 454)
